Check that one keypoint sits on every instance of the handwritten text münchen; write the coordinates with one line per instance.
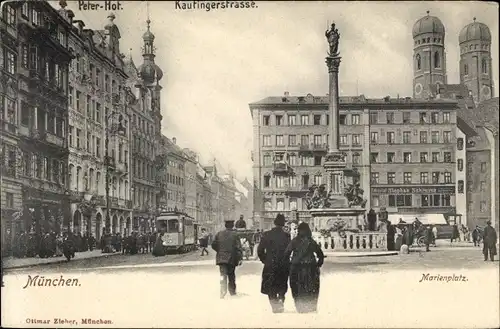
(41, 281)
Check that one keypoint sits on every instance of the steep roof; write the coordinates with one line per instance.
(487, 114)
(310, 99)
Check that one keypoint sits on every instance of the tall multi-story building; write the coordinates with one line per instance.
(401, 151)
(11, 179)
(290, 144)
(191, 182)
(172, 163)
(144, 148)
(203, 199)
(412, 156)
(98, 106)
(34, 114)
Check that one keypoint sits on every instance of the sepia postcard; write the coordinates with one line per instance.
(249, 164)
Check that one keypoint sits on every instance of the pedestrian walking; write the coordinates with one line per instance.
(305, 269)
(229, 255)
(271, 252)
(204, 242)
(489, 241)
(476, 234)
(434, 235)
(428, 238)
(455, 234)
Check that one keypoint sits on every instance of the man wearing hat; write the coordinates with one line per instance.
(227, 245)
(271, 251)
(489, 241)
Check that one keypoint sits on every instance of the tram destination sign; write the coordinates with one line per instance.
(414, 190)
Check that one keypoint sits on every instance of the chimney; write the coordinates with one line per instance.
(174, 140)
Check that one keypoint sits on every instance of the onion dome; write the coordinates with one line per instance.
(475, 31)
(428, 24)
(148, 35)
(150, 72)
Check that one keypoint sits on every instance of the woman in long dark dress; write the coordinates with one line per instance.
(304, 270)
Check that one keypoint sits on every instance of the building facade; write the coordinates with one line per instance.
(143, 151)
(191, 182)
(35, 65)
(11, 170)
(401, 150)
(290, 143)
(413, 157)
(203, 199)
(173, 170)
(99, 152)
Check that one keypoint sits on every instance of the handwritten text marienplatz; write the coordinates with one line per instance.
(214, 5)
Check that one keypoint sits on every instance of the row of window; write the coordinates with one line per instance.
(94, 181)
(407, 157)
(436, 60)
(406, 200)
(301, 160)
(142, 196)
(95, 75)
(42, 167)
(174, 164)
(318, 119)
(291, 181)
(143, 145)
(407, 178)
(175, 196)
(34, 16)
(484, 67)
(483, 207)
(142, 124)
(406, 138)
(42, 120)
(392, 117)
(143, 169)
(427, 40)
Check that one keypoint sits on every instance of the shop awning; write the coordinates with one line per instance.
(425, 219)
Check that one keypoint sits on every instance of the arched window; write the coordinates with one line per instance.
(419, 62)
(437, 60)
(78, 178)
(97, 182)
(466, 69)
(484, 66)
(71, 176)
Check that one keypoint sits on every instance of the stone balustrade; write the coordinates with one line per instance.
(362, 241)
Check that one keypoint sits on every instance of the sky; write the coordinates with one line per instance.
(215, 63)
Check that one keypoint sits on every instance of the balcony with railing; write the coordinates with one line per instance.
(314, 147)
(281, 167)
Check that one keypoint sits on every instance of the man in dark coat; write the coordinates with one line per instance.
(271, 252)
(475, 236)
(227, 245)
(489, 241)
(428, 236)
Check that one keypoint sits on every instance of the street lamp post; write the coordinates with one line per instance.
(110, 129)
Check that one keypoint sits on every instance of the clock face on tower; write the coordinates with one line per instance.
(418, 88)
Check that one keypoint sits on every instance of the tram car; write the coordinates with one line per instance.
(179, 231)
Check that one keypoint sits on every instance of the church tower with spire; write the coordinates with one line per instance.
(151, 74)
(476, 70)
(429, 57)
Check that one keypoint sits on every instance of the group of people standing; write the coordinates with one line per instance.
(48, 244)
(297, 260)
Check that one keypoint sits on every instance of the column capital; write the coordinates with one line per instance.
(333, 64)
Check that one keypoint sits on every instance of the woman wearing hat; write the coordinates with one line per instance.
(304, 270)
